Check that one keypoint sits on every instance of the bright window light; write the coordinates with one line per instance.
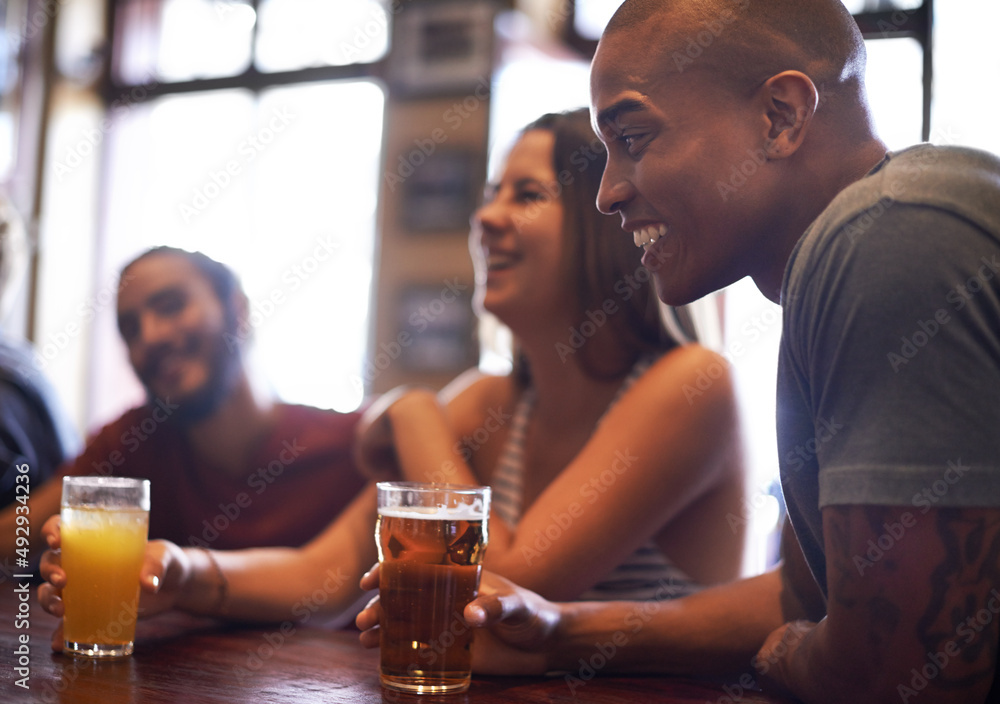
(283, 189)
(592, 16)
(204, 39)
(337, 33)
(528, 85)
(895, 89)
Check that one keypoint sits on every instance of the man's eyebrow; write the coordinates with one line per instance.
(608, 115)
(165, 295)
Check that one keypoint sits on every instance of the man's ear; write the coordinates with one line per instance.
(790, 99)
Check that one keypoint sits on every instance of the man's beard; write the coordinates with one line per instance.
(224, 365)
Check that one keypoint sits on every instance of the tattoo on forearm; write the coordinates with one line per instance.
(956, 621)
(882, 615)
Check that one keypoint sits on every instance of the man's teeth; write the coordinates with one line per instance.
(646, 236)
(497, 261)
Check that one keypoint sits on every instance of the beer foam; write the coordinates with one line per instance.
(458, 513)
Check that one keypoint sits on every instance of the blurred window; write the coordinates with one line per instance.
(894, 80)
(251, 131)
(10, 44)
(338, 33)
(184, 40)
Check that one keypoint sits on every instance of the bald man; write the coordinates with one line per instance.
(741, 144)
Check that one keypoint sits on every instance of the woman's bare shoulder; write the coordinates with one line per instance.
(693, 366)
(472, 395)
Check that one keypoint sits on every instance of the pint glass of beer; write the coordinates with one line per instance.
(104, 526)
(431, 540)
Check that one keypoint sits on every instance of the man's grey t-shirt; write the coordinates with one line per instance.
(889, 368)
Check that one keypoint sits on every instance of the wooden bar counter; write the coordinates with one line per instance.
(185, 660)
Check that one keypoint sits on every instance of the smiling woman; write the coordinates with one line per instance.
(611, 479)
(518, 276)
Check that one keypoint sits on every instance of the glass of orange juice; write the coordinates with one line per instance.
(104, 526)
